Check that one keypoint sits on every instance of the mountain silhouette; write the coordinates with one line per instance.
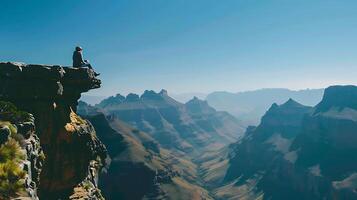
(190, 128)
(296, 152)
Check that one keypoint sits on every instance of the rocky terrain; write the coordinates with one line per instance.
(21, 156)
(139, 168)
(163, 139)
(47, 150)
(296, 152)
(153, 147)
(187, 129)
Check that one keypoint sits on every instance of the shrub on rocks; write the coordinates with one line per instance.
(12, 176)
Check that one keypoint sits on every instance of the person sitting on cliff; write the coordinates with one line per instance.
(78, 61)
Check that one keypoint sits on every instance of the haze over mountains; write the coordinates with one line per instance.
(185, 97)
(261, 101)
(188, 128)
(296, 152)
(154, 147)
(250, 106)
(156, 139)
(247, 106)
(139, 167)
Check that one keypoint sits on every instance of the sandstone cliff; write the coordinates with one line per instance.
(62, 153)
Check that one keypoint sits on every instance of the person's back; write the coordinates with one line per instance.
(77, 57)
(78, 60)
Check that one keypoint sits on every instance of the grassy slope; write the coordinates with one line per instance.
(181, 187)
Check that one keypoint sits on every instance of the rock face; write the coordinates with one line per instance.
(73, 153)
(21, 156)
(298, 152)
(255, 160)
(339, 97)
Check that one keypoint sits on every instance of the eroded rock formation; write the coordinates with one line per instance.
(298, 152)
(73, 154)
(21, 156)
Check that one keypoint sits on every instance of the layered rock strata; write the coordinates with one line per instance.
(73, 154)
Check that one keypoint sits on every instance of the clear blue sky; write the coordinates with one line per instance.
(189, 45)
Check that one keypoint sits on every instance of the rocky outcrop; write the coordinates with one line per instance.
(21, 156)
(298, 152)
(327, 144)
(197, 106)
(74, 155)
(259, 150)
(338, 96)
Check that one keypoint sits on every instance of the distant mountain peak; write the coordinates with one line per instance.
(338, 96)
(151, 95)
(196, 100)
(119, 96)
(112, 100)
(197, 105)
(249, 106)
(148, 93)
(291, 103)
(132, 97)
(164, 92)
(281, 114)
(291, 100)
(84, 108)
(273, 107)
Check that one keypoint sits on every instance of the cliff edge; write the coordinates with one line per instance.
(65, 154)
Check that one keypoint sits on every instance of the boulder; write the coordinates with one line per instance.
(4, 134)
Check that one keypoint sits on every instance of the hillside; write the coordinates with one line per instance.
(159, 139)
(139, 167)
(185, 128)
(297, 152)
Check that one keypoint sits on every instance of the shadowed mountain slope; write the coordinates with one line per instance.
(185, 128)
(139, 167)
(297, 152)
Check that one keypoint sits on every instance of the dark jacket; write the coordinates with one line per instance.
(77, 59)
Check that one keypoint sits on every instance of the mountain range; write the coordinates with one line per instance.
(249, 106)
(151, 146)
(155, 139)
(296, 151)
(187, 128)
(139, 168)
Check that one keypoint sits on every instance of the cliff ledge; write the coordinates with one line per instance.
(65, 153)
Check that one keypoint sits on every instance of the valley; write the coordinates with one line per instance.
(178, 100)
(140, 124)
(192, 151)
